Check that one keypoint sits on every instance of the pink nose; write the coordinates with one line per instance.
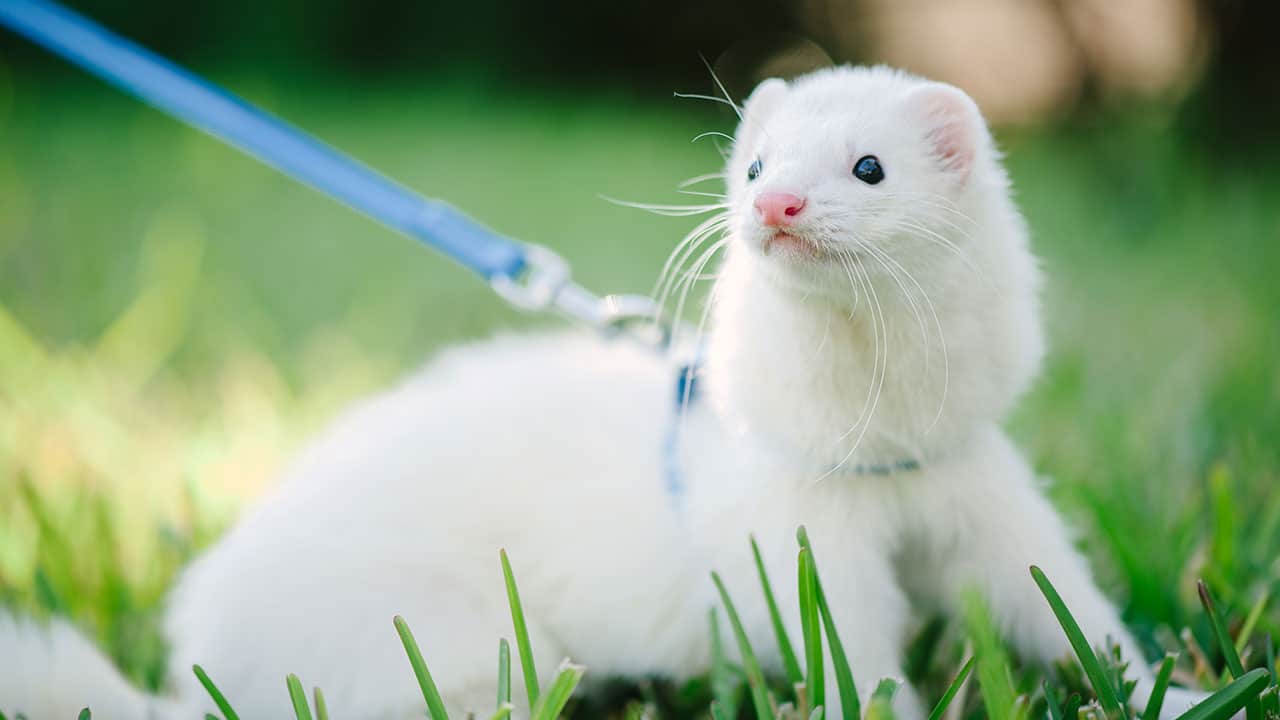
(778, 208)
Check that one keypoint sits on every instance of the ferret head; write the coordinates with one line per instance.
(878, 294)
(867, 163)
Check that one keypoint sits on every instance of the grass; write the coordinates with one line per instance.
(175, 319)
(803, 700)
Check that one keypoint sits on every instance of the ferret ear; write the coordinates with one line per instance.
(953, 125)
(762, 103)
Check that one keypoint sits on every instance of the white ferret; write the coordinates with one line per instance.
(873, 320)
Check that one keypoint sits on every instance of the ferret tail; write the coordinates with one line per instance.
(52, 672)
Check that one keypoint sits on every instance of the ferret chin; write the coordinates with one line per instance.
(873, 319)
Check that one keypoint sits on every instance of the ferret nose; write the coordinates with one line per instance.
(778, 208)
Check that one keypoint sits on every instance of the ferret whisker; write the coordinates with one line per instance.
(711, 133)
(826, 331)
(882, 356)
(864, 284)
(832, 247)
(922, 198)
(677, 323)
(686, 284)
(935, 200)
(844, 260)
(876, 254)
(724, 91)
(925, 233)
(682, 253)
(942, 337)
(696, 236)
(879, 370)
(669, 210)
(710, 98)
(701, 179)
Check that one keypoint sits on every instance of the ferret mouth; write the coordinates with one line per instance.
(790, 244)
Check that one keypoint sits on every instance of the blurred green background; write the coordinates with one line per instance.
(175, 318)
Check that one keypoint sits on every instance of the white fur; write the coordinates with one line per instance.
(550, 446)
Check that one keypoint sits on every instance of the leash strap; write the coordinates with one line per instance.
(196, 102)
(528, 276)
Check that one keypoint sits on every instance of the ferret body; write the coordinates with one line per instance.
(871, 324)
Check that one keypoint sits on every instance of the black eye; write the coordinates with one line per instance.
(868, 170)
(753, 172)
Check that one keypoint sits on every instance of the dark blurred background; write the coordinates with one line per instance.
(1021, 59)
(175, 318)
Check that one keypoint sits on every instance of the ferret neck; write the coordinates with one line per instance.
(834, 384)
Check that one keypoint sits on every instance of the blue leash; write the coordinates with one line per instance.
(528, 276)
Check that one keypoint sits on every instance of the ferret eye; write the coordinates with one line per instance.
(868, 170)
(753, 171)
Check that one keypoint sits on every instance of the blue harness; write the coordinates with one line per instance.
(686, 393)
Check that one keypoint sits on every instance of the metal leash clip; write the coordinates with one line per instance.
(544, 283)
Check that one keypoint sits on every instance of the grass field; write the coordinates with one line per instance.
(175, 318)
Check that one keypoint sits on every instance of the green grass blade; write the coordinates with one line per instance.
(850, 703)
(522, 632)
(1072, 707)
(1222, 544)
(1230, 699)
(755, 676)
(299, 697)
(552, 702)
(1251, 621)
(1253, 711)
(322, 708)
(954, 688)
(1269, 700)
(719, 713)
(885, 690)
(435, 704)
(219, 699)
(923, 650)
(810, 624)
(1021, 708)
(504, 672)
(880, 706)
(789, 663)
(1088, 659)
(503, 711)
(991, 662)
(1156, 701)
(84, 715)
(1220, 631)
(1271, 660)
(724, 682)
(1050, 701)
